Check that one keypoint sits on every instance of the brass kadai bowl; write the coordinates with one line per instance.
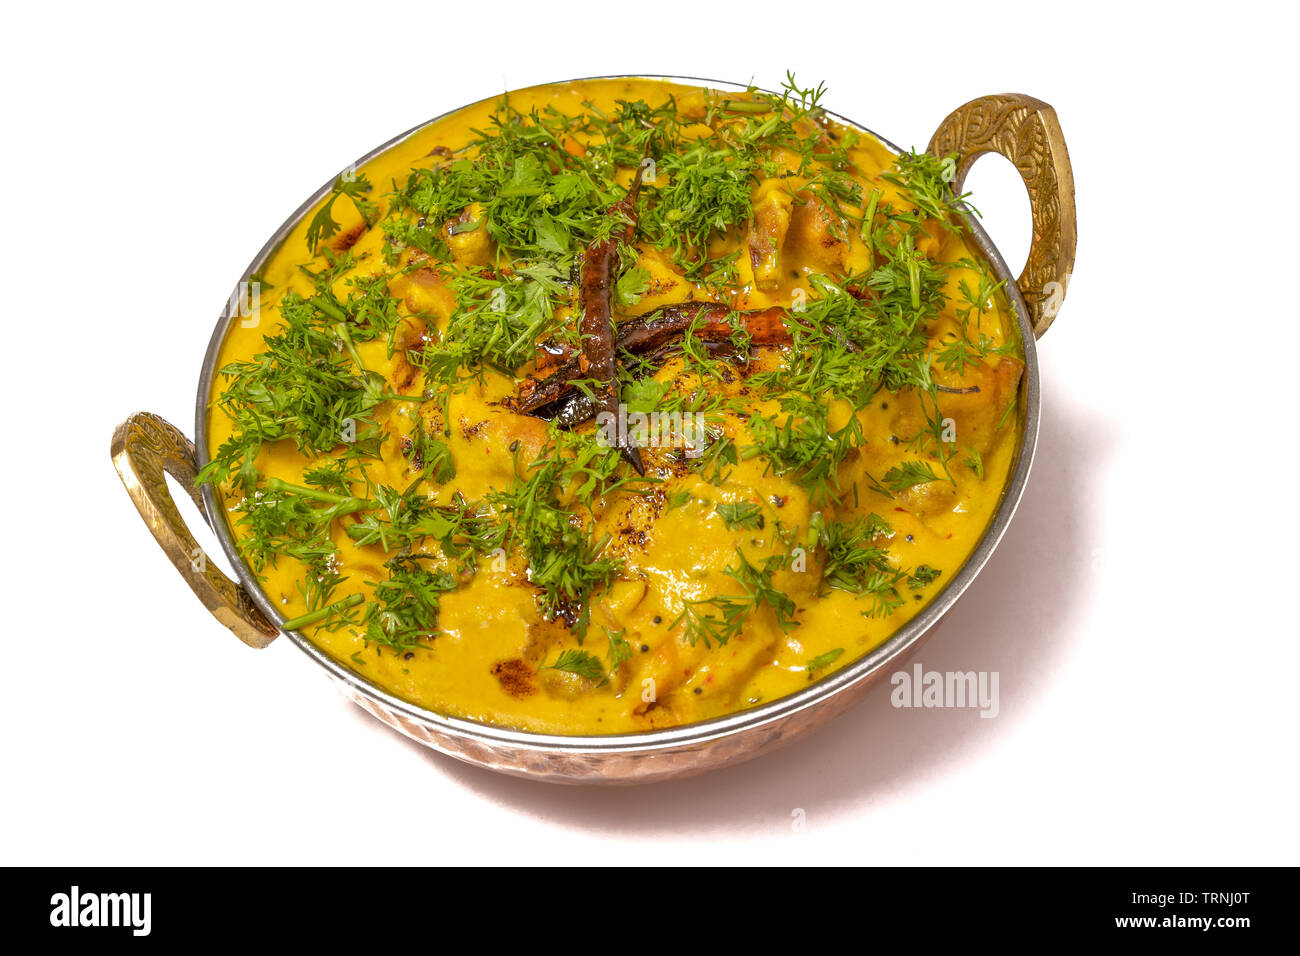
(145, 448)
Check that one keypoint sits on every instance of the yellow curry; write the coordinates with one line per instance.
(616, 405)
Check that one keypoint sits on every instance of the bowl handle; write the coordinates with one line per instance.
(144, 447)
(1027, 132)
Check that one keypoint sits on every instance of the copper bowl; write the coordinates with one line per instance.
(1019, 127)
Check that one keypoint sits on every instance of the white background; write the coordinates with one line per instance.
(1139, 612)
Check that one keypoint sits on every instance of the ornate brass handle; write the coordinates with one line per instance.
(144, 448)
(1027, 132)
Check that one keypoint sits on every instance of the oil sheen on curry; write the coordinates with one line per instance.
(616, 405)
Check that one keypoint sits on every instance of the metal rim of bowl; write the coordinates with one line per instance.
(683, 735)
